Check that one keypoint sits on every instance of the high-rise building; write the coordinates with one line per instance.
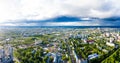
(6, 54)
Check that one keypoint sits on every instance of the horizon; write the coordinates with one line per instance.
(60, 27)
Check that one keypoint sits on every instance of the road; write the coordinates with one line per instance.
(70, 52)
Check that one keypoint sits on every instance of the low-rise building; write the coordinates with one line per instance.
(90, 41)
(95, 55)
(110, 44)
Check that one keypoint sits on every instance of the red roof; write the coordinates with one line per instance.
(90, 40)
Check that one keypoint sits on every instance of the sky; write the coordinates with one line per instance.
(59, 12)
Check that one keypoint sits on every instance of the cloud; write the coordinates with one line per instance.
(18, 24)
(18, 10)
(75, 23)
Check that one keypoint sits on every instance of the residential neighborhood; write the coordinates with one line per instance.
(63, 45)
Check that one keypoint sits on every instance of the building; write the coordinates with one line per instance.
(95, 55)
(90, 41)
(56, 57)
(77, 59)
(6, 54)
(1, 55)
(110, 44)
(104, 50)
(38, 42)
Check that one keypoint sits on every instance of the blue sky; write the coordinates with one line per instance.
(59, 12)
